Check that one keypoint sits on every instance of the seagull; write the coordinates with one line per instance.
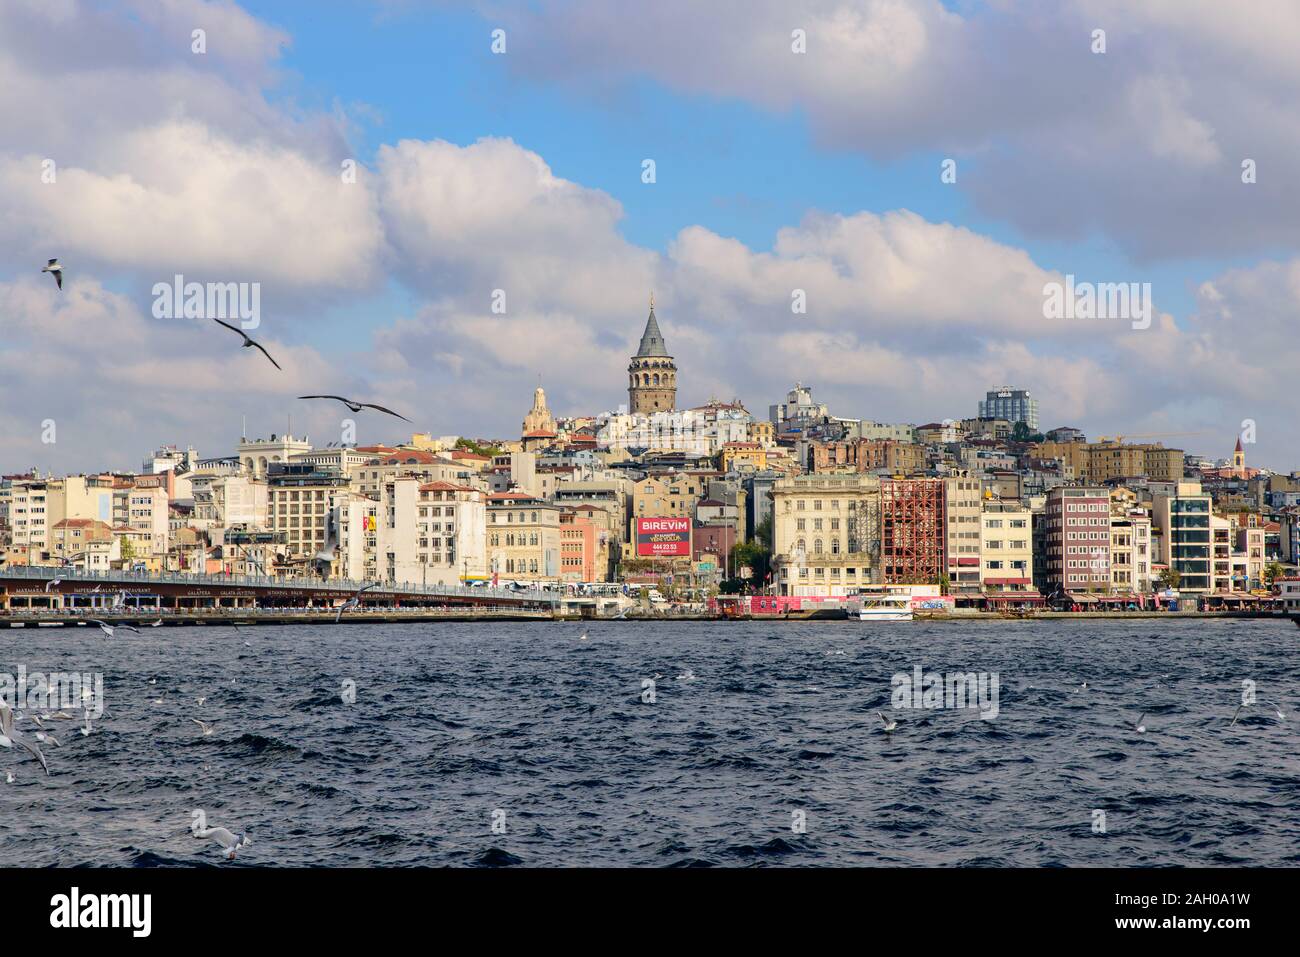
(1234, 715)
(108, 629)
(9, 737)
(52, 582)
(9, 777)
(225, 838)
(687, 675)
(156, 623)
(87, 729)
(54, 269)
(204, 726)
(247, 341)
(357, 406)
(889, 725)
(1141, 728)
(354, 601)
(583, 636)
(201, 700)
(42, 737)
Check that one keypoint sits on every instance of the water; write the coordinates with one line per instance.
(455, 722)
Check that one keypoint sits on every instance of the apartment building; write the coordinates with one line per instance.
(1077, 536)
(963, 507)
(1182, 518)
(1006, 548)
(523, 537)
(825, 533)
(300, 501)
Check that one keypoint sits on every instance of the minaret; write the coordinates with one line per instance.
(652, 374)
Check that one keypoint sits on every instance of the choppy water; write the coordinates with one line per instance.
(453, 722)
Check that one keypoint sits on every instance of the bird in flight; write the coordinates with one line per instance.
(203, 726)
(889, 725)
(354, 601)
(53, 583)
(108, 629)
(1140, 727)
(54, 269)
(357, 406)
(247, 341)
(9, 736)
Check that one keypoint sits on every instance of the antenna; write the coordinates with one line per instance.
(243, 429)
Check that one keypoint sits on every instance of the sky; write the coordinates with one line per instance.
(383, 176)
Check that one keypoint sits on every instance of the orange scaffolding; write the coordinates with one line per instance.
(913, 527)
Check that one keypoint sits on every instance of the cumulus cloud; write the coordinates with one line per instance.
(907, 319)
(1143, 143)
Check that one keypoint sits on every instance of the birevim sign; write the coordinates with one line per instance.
(663, 537)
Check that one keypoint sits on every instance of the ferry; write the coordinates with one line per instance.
(886, 608)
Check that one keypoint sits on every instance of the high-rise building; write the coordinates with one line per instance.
(652, 374)
(1014, 405)
(1077, 540)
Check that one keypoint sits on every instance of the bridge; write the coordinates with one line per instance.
(51, 590)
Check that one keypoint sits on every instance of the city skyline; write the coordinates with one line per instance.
(920, 289)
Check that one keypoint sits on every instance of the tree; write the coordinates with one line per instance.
(944, 582)
(1272, 572)
(1021, 432)
(1169, 578)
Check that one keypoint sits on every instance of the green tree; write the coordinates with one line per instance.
(1021, 432)
(1170, 578)
(1272, 572)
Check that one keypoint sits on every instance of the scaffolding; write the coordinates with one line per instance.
(913, 531)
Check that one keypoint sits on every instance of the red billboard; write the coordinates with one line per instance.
(663, 537)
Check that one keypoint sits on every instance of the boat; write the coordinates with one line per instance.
(886, 608)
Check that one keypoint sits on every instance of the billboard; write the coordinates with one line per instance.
(663, 537)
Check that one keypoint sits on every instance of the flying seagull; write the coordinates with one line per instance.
(247, 341)
(54, 269)
(354, 601)
(357, 406)
(87, 729)
(203, 726)
(108, 629)
(1234, 715)
(9, 737)
(889, 725)
(52, 583)
(225, 838)
(583, 636)
(1141, 728)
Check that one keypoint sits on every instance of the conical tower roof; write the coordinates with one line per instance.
(652, 340)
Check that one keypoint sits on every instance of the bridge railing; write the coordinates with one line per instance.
(341, 585)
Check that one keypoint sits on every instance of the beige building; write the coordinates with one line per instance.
(825, 533)
(523, 537)
(1094, 463)
(258, 455)
(963, 506)
(300, 504)
(1006, 547)
(670, 495)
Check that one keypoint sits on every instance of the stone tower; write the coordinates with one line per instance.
(652, 374)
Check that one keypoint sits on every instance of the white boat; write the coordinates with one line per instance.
(886, 608)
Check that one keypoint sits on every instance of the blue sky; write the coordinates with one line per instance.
(1114, 168)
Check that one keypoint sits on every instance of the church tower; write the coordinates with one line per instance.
(652, 374)
(1239, 457)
